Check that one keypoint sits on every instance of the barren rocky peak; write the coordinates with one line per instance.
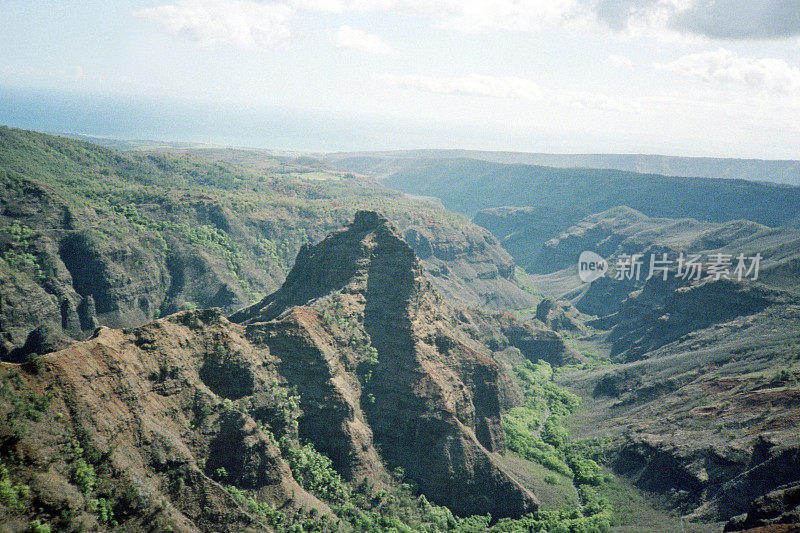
(380, 359)
(367, 256)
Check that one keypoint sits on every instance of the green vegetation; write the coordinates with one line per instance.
(244, 215)
(84, 472)
(35, 363)
(274, 518)
(103, 508)
(395, 507)
(347, 329)
(13, 495)
(536, 431)
(314, 472)
(25, 406)
(37, 527)
(84, 476)
(392, 507)
(568, 194)
(588, 351)
(18, 251)
(213, 240)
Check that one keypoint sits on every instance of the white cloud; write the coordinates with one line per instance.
(509, 87)
(257, 23)
(620, 61)
(473, 84)
(726, 19)
(465, 15)
(361, 41)
(524, 15)
(242, 23)
(770, 75)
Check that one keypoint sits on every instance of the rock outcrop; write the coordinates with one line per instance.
(664, 311)
(560, 316)
(157, 419)
(776, 511)
(382, 364)
(192, 422)
(707, 418)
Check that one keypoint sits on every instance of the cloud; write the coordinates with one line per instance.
(214, 21)
(620, 61)
(464, 15)
(361, 41)
(718, 19)
(260, 23)
(473, 84)
(769, 75)
(524, 15)
(508, 87)
(737, 19)
(722, 19)
(242, 23)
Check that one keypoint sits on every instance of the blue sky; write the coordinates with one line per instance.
(682, 77)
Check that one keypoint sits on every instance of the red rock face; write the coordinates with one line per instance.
(161, 408)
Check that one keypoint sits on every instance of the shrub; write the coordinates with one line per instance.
(15, 496)
(554, 433)
(35, 363)
(37, 527)
(103, 508)
(84, 475)
(314, 472)
(586, 470)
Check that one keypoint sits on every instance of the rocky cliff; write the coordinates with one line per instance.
(194, 422)
(408, 381)
(622, 231)
(151, 423)
(705, 405)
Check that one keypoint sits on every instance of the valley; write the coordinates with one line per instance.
(220, 339)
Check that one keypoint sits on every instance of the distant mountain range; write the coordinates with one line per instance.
(470, 185)
(776, 171)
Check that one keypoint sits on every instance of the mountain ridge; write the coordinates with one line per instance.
(783, 171)
(92, 236)
(373, 368)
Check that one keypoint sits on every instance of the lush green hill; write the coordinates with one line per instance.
(91, 235)
(467, 186)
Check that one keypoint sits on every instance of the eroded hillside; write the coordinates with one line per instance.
(697, 385)
(91, 236)
(195, 422)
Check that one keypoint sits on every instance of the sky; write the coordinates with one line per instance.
(679, 77)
